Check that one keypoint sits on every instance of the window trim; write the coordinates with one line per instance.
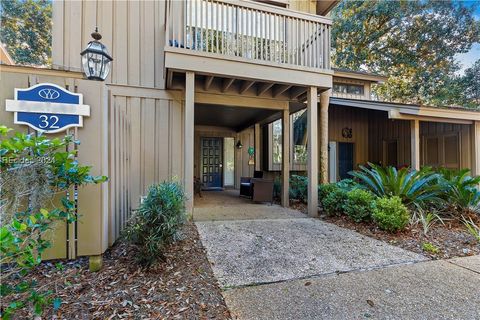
(294, 166)
(347, 85)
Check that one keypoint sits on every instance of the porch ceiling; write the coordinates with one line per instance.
(236, 118)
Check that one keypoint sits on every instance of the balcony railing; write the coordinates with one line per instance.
(249, 30)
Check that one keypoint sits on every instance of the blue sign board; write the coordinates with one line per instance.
(48, 108)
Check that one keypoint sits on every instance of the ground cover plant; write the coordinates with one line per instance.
(35, 171)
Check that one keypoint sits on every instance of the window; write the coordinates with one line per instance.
(298, 139)
(299, 120)
(277, 142)
(228, 161)
(356, 89)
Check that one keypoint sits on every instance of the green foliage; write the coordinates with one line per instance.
(413, 42)
(277, 187)
(33, 170)
(428, 247)
(27, 30)
(157, 221)
(470, 85)
(298, 188)
(415, 188)
(390, 214)
(472, 228)
(347, 184)
(460, 190)
(427, 220)
(359, 204)
(334, 201)
(325, 189)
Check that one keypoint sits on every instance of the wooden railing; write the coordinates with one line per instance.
(249, 30)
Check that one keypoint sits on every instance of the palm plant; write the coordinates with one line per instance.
(415, 188)
(461, 190)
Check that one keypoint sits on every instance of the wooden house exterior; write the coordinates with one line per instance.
(194, 80)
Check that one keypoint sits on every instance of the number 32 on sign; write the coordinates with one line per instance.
(48, 108)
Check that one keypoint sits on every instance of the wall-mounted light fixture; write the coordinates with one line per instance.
(239, 144)
(95, 59)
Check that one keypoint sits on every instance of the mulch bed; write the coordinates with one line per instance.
(181, 287)
(451, 239)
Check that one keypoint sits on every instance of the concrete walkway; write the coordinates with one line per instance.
(276, 263)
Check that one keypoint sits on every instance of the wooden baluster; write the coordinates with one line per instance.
(262, 35)
(184, 22)
(200, 26)
(167, 24)
(327, 46)
(217, 14)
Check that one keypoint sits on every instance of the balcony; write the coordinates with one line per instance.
(247, 41)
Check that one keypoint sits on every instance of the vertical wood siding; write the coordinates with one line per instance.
(146, 146)
(440, 129)
(357, 120)
(381, 129)
(132, 30)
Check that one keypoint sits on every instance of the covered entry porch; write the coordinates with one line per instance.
(227, 113)
(227, 205)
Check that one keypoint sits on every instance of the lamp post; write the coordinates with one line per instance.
(95, 59)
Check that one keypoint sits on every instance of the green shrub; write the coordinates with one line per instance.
(461, 190)
(390, 214)
(157, 221)
(298, 188)
(34, 169)
(334, 200)
(414, 188)
(359, 204)
(347, 184)
(277, 187)
(325, 189)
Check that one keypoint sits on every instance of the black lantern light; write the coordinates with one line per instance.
(239, 145)
(95, 59)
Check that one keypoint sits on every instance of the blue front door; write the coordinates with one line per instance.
(345, 159)
(211, 151)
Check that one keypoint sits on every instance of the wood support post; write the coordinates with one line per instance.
(285, 158)
(189, 139)
(476, 148)
(415, 144)
(257, 147)
(324, 103)
(312, 145)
